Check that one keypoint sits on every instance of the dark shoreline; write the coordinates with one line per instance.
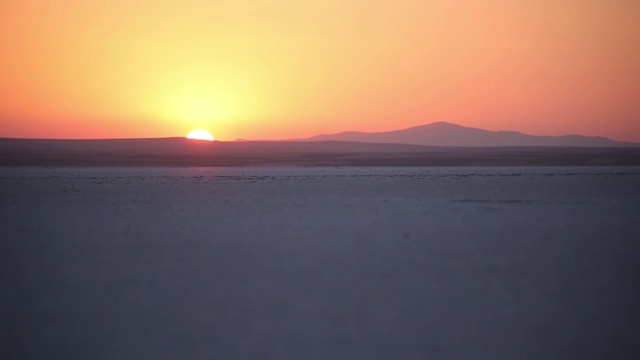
(178, 152)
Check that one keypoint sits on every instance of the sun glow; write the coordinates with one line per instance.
(290, 69)
(200, 135)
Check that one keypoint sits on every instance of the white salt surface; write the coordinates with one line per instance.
(320, 263)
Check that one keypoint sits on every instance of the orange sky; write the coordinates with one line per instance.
(293, 68)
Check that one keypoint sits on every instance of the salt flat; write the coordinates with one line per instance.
(320, 263)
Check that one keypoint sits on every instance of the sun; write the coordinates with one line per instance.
(200, 135)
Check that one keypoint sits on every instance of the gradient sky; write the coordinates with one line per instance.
(260, 69)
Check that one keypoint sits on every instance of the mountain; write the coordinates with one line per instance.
(448, 134)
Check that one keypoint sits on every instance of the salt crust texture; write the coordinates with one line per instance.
(320, 263)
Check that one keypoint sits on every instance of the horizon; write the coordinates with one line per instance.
(324, 134)
(247, 69)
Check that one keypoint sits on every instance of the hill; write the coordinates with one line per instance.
(448, 134)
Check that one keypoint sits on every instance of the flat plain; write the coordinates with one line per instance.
(321, 262)
(180, 152)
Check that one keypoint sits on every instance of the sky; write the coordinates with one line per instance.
(275, 69)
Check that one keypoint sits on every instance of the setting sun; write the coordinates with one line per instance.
(292, 69)
(200, 135)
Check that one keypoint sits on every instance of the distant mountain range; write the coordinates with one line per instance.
(448, 134)
(437, 144)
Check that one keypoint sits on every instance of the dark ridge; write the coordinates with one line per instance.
(447, 134)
